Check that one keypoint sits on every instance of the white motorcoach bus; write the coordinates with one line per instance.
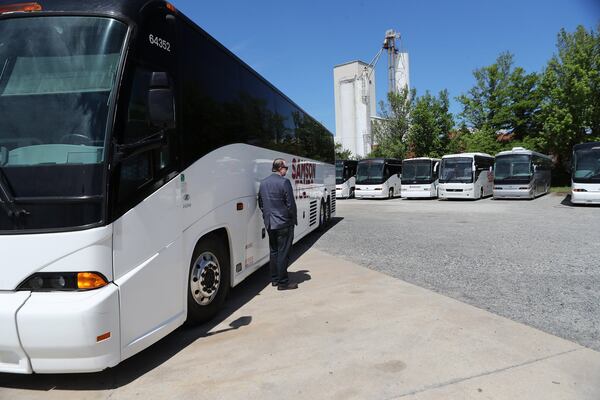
(420, 177)
(521, 174)
(132, 145)
(585, 175)
(378, 178)
(466, 176)
(345, 178)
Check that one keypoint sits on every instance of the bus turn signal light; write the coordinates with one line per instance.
(20, 7)
(102, 337)
(90, 280)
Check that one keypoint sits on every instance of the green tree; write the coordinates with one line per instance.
(430, 125)
(342, 154)
(570, 86)
(390, 132)
(504, 98)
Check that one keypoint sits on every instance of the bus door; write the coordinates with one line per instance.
(147, 248)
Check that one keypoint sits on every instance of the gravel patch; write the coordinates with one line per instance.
(536, 262)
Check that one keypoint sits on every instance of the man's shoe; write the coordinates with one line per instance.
(288, 286)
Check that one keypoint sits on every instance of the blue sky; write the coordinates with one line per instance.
(295, 45)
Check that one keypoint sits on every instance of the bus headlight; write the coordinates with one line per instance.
(579, 190)
(49, 281)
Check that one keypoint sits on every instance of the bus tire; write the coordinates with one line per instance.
(208, 280)
(481, 195)
(322, 216)
(391, 193)
(351, 194)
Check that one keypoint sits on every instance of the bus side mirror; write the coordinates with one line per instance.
(474, 168)
(435, 167)
(161, 101)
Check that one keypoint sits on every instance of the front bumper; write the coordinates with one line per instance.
(370, 194)
(58, 332)
(513, 194)
(464, 194)
(419, 192)
(585, 197)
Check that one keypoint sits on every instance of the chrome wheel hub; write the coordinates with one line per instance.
(205, 278)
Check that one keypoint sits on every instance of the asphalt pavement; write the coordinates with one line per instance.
(536, 262)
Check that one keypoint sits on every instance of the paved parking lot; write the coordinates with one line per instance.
(536, 262)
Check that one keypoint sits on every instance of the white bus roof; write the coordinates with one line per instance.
(421, 158)
(521, 150)
(467, 155)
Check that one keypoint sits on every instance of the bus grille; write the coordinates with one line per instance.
(313, 213)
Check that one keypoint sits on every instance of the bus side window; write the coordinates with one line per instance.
(143, 168)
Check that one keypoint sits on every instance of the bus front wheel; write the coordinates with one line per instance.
(208, 280)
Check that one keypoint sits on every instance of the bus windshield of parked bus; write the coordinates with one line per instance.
(339, 172)
(370, 172)
(57, 74)
(587, 165)
(457, 170)
(513, 168)
(417, 171)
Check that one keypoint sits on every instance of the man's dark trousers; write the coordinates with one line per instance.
(280, 244)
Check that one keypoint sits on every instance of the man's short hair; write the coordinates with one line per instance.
(277, 164)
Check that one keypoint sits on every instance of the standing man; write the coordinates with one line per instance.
(276, 200)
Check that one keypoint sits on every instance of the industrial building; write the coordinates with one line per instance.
(355, 95)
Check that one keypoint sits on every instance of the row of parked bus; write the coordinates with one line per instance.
(513, 174)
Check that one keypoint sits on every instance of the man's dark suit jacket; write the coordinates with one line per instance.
(276, 200)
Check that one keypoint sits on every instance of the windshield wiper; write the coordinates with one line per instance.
(8, 201)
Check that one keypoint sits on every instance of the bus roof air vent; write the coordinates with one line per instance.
(518, 148)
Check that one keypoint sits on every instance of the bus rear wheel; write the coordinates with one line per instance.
(208, 280)
(322, 216)
(391, 193)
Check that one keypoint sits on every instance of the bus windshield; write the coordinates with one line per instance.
(339, 172)
(587, 166)
(57, 76)
(513, 168)
(370, 172)
(457, 170)
(417, 171)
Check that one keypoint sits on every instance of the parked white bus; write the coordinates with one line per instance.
(466, 176)
(132, 145)
(521, 174)
(420, 177)
(345, 178)
(378, 178)
(585, 175)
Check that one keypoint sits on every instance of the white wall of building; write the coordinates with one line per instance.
(355, 103)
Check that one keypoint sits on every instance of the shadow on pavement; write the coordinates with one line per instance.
(567, 201)
(152, 357)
